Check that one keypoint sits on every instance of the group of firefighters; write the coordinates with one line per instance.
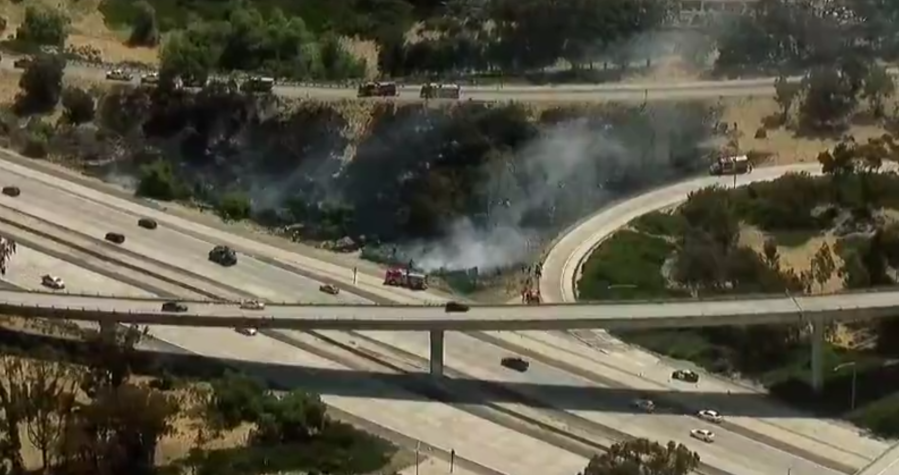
(530, 288)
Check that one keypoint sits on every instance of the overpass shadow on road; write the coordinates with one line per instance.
(420, 385)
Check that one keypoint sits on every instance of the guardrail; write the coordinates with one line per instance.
(659, 301)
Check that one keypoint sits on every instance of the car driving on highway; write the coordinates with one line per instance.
(53, 282)
(174, 307)
(685, 375)
(456, 307)
(644, 404)
(147, 223)
(329, 289)
(704, 435)
(252, 305)
(516, 363)
(248, 331)
(117, 238)
(12, 191)
(223, 256)
(710, 416)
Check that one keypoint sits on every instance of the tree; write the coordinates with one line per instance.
(187, 54)
(785, 92)
(110, 357)
(79, 105)
(772, 256)
(144, 27)
(841, 160)
(878, 86)
(117, 431)
(41, 85)
(158, 181)
(50, 388)
(644, 457)
(296, 417)
(13, 405)
(43, 25)
(7, 250)
(829, 98)
(823, 265)
(234, 206)
(236, 398)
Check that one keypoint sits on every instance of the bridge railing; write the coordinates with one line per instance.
(707, 298)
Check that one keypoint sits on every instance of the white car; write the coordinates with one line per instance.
(246, 331)
(53, 282)
(704, 435)
(710, 416)
(252, 305)
(644, 404)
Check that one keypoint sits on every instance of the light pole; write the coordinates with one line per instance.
(854, 378)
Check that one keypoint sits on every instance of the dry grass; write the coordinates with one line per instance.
(190, 429)
(750, 114)
(88, 29)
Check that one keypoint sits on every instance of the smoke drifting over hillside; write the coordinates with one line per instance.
(573, 169)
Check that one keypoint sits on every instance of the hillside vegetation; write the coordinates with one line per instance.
(724, 241)
(427, 181)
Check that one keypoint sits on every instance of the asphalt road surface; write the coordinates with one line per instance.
(59, 205)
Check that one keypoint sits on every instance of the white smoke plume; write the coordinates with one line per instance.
(571, 170)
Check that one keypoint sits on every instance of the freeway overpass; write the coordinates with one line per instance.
(814, 310)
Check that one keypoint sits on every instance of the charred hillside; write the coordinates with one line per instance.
(452, 185)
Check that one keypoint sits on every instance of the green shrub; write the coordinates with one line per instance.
(659, 223)
(158, 181)
(234, 207)
(627, 265)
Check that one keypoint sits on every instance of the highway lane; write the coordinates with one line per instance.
(731, 452)
(61, 190)
(82, 216)
(473, 353)
(66, 200)
(886, 464)
(561, 268)
(426, 415)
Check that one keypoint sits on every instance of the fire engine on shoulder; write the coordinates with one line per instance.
(400, 277)
(378, 89)
(731, 165)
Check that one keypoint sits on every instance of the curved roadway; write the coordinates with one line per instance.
(82, 209)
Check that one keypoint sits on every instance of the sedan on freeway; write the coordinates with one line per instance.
(174, 307)
(53, 282)
(710, 416)
(252, 305)
(329, 289)
(644, 404)
(248, 331)
(704, 435)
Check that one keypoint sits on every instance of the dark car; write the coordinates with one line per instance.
(147, 223)
(514, 362)
(117, 238)
(685, 375)
(174, 307)
(456, 307)
(21, 63)
(223, 255)
(12, 191)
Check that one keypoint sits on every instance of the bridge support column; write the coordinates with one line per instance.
(437, 353)
(818, 355)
